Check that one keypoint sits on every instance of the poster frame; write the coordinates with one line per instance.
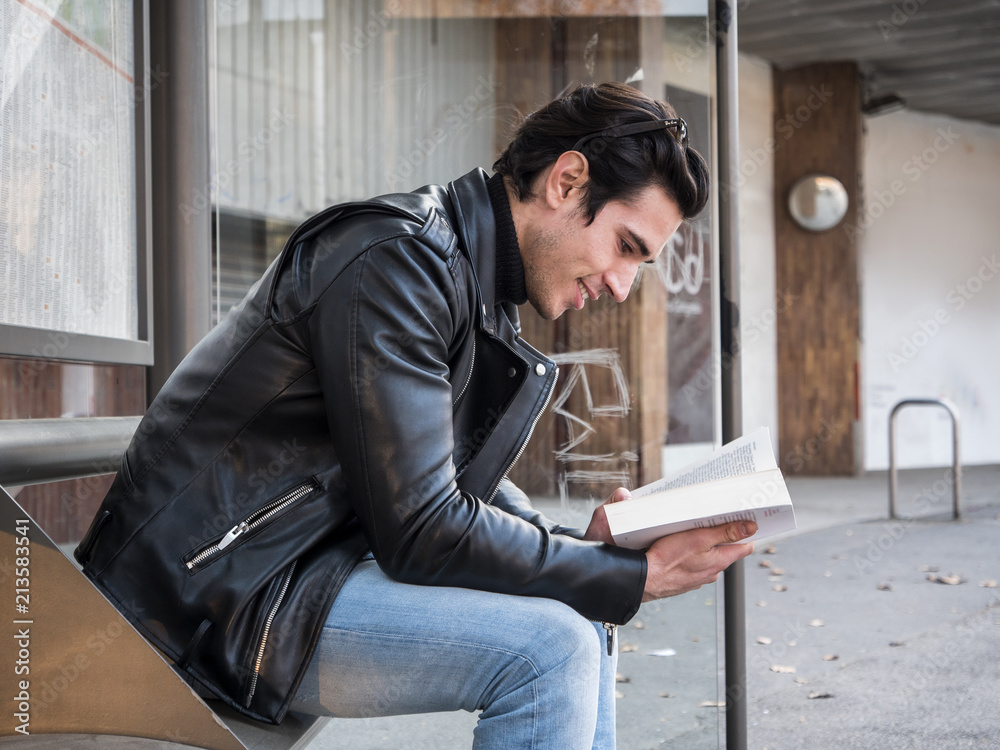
(57, 345)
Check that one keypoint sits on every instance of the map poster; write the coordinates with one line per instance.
(68, 239)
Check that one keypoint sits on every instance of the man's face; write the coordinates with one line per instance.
(566, 262)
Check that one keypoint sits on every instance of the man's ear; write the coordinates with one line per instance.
(569, 172)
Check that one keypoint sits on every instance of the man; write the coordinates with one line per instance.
(316, 505)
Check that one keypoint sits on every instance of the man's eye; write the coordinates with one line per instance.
(626, 248)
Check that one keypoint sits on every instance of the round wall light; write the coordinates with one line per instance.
(817, 202)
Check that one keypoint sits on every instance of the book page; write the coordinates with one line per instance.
(761, 497)
(745, 455)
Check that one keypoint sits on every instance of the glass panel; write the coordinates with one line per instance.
(321, 102)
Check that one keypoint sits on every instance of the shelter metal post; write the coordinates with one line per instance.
(724, 24)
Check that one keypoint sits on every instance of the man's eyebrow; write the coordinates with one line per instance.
(640, 243)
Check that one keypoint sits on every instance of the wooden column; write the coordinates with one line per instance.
(816, 130)
(537, 59)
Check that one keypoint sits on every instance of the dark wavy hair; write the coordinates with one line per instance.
(619, 167)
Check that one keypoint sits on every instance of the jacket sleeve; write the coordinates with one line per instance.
(380, 336)
(510, 498)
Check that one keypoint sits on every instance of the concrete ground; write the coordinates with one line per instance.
(851, 644)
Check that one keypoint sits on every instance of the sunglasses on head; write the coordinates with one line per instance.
(677, 127)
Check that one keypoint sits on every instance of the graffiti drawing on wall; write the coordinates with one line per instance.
(611, 468)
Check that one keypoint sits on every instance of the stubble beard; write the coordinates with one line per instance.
(538, 279)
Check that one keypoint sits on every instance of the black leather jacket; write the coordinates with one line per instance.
(367, 394)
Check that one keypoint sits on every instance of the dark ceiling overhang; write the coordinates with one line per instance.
(939, 56)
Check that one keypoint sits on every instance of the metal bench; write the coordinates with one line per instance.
(81, 675)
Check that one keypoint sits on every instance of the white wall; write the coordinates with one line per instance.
(760, 307)
(930, 286)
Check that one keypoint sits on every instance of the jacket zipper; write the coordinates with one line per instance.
(267, 631)
(468, 378)
(524, 445)
(610, 628)
(250, 523)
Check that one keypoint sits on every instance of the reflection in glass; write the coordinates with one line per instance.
(321, 102)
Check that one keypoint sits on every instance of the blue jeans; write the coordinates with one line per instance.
(538, 672)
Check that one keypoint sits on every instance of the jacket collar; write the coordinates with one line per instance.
(477, 232)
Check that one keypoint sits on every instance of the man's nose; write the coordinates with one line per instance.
(619, 281)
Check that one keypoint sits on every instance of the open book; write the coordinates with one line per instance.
(738, 482)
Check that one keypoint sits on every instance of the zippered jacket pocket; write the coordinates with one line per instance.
(250, 526)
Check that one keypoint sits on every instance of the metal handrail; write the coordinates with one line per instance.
(33, 451)
(956, 464)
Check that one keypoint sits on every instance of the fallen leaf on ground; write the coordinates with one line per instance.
(830, 657)
(950, 580)
(779, 587)
(763, 639)
(884, 587)
(761, 603)
(814, 696)
(627, 648)
(619, 694)
(711, 704)
(782, 669)
(816, 623)
(801, 681)
(622, 678)
(988, 584)
(771, 551)
(929, 568)
(777, 571)
(764, 564)
(639, 625)
(661, 652)
(894, 644)
(667, 695)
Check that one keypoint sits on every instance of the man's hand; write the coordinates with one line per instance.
(681, 562)
(686, 561)
(598, 530)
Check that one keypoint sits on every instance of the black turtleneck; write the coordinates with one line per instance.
(510, 271)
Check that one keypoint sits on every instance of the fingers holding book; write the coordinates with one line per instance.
(685, 561)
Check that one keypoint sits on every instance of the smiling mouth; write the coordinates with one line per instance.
(584, 294)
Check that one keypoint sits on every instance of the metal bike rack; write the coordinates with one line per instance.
(92, 676)
(956, 465)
